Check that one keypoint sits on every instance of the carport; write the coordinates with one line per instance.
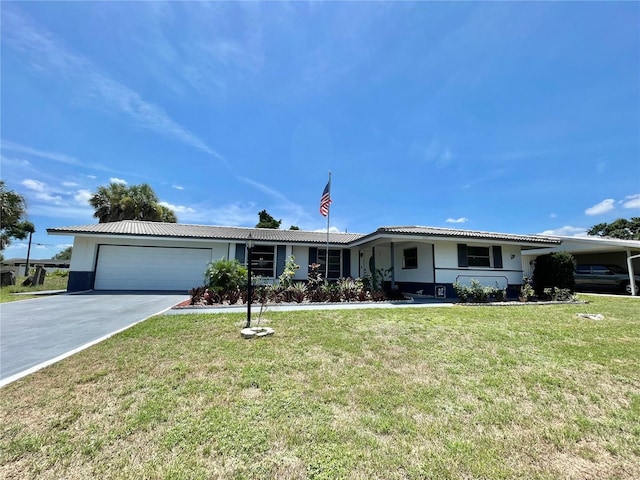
(625, 253)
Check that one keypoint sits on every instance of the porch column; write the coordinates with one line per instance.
(393, 265)
(632, 279)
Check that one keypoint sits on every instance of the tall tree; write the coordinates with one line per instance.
(267, 221)
(64, 254)
(620, 228)
(138, 202)
(12, 222)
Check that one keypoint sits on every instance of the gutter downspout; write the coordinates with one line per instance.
(632, 279)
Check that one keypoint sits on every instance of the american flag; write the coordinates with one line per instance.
(325, 201)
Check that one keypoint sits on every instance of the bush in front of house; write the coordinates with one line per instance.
(554, 270)
(226, 283)
(478, 293)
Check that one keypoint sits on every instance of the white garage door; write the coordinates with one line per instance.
(150, 268)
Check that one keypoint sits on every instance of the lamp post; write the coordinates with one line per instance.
(250, 245)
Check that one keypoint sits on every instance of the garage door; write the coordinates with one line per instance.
(150, 268)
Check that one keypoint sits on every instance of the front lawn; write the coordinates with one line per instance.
(464, 392)
(51, 282)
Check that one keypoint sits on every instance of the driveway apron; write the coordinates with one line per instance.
(36, 332)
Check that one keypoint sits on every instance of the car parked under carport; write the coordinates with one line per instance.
(603, 278)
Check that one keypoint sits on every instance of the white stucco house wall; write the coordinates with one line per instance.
(134, 255)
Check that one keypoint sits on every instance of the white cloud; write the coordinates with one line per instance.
(42, 191)
(177, 208)
(457, 220)
(631, 201)
(82, 196)
(178, 187)
(117, 180)
(35, 185)
(603, 207)
(70, 184)
(566, 231)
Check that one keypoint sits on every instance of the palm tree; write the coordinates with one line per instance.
(138, 202)
(107, 202)
(13, 208)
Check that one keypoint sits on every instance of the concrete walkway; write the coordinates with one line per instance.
(417, 302)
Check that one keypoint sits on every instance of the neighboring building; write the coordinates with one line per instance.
(18, 264)
(134, 255)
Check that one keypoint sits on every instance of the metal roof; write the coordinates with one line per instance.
(180, 230)
(462, 234)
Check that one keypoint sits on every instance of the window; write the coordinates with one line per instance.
(410, 257)
(263, 261)
(478, 256)
(334, 262)
(474, 256)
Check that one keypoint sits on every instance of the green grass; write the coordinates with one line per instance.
(464, 392)
(51, 282)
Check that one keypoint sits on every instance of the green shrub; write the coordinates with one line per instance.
(526, 290)
(553, 270)
(559, 294)
(286, 279)
(478, 293)
(224, 275)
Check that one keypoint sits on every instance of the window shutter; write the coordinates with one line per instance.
(240, 249)
(463, 260)
(346, 263)
(497, 256)
(281, 253)
(313, 255)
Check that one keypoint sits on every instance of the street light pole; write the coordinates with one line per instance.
(250, 246)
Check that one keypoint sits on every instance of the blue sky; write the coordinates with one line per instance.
(510, 117)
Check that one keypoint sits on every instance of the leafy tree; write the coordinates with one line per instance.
(12, 223)
(64, 254)
(294, 227)
(117, 202)
(620, 228)
(267, 221)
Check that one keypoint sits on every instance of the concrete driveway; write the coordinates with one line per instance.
(37, 332)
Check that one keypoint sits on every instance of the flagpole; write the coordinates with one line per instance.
(326, 276)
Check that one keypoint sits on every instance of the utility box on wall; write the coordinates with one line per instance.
(441, 291)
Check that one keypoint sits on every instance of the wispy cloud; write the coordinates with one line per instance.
(291, 212)
(603, 207)
(46, 54)
(117, 180)
(432, 153)
(631, 201)
(58, 157)
(42, 192)
(56, 201)
(566, 231)
(457, 220)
